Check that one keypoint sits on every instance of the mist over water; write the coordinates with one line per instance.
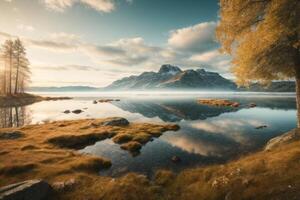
(207, 135)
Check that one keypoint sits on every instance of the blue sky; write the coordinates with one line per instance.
(94, 42)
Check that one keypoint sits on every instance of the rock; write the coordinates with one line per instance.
(95, 102)
(64, 185)
(261, 127)
(235, 104)
(117, 121)
(252, 105)
(131, 146)
(286, 138)
(175, 159)
(27, 190)
(11, 135)
(107, 100)
(77, 111)
(67, 111)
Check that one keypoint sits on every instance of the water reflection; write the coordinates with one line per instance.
(13, 117)
(175, 110)
(172, 110)
(207, 135)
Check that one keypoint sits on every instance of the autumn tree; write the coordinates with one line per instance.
(263, 37)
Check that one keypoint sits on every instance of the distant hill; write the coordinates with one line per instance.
(172, 77)
(64, 89)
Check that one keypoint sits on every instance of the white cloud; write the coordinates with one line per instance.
(98, 5)
(197, 38)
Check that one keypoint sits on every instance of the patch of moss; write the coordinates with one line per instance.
(132, 146)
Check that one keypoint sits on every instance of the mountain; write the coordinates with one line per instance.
(276, 86)
(172, 77)
(64, 89)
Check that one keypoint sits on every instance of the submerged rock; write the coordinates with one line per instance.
(261, 127)
(11, 135)
(117, 121)
(107, 100)
(27, 190)
(286, 138)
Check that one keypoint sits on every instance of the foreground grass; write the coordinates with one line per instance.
(263, 175)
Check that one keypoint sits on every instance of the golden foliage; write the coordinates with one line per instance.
(263, 38)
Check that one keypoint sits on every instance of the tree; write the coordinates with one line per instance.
(7, 55)
(15, 72)
(263, 37)
(20, 62)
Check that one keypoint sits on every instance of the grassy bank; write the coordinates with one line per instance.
(49, 152)
(24, 99)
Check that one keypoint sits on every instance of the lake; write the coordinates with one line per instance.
(208, 134)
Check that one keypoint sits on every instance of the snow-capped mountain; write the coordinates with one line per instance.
(172, 77)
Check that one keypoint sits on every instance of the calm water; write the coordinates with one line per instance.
(207, 135)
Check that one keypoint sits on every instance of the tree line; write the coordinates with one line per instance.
(14, 68)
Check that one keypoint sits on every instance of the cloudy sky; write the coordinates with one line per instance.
(94, 42)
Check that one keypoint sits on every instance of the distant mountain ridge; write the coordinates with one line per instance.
(172, 77)
(63, 89)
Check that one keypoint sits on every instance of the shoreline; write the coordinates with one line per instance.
(26, 99)
(49, 152)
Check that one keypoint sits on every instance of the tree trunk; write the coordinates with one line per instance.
(10, 72)
(298, 96)
(17, 75)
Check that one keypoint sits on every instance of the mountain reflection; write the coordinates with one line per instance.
(13, 117)
(176, 110)
(172, 111)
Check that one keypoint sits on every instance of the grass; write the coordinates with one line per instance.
(49, 151)
(218, 102)
(262, 175)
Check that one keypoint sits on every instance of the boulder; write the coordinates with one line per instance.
(27, 190)
(286, 138)
(11, 135)
(117, 121)
(95, 102)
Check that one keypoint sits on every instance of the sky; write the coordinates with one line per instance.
(95, 42)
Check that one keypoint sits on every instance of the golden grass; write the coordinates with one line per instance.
(48, 151)
(218, 102)
(263, 175)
